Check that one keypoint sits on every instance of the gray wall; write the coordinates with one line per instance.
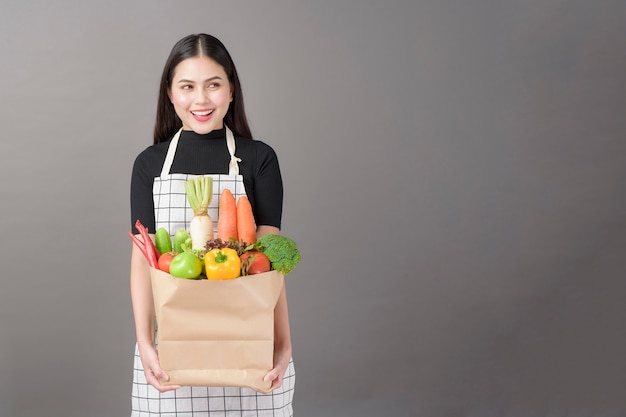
(454, 176)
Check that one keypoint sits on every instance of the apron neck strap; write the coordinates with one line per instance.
(233, 165)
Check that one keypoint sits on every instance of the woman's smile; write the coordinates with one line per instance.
(202, 115)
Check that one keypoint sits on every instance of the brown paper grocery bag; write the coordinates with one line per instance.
(216, 333)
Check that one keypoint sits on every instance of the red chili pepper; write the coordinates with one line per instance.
(150, 247)
(147, 246)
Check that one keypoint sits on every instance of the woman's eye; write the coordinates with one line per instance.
(214, 85)
(186, 87)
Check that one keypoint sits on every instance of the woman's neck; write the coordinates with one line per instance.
(214, 134)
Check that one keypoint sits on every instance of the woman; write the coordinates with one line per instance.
(200, 126)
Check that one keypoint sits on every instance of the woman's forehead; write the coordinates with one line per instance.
(198, 68)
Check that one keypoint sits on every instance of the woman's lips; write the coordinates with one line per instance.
(202, 115)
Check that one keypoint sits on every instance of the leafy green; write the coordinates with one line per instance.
(239, 246)
(199, 192)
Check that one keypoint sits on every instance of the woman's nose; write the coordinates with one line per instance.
(201, 96)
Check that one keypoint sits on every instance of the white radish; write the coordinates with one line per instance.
(199, 193)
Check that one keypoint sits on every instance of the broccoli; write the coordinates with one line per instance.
(282, 252)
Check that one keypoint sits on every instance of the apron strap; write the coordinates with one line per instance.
(169, 158)
(233, 165)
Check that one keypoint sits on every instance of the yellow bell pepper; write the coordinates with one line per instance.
(222, 264)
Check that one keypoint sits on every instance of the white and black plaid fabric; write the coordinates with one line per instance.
(210, 401)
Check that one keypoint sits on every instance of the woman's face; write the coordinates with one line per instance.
(201, 94)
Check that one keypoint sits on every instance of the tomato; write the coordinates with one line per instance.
(186, 265)
(255, 262)
(165, 260)
(222, 264)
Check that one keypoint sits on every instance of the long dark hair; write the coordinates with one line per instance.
(167, 122)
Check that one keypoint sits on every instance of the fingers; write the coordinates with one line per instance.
(160, 374)
(270, 376)
(275, 377)
(155, 375)
(156, 381)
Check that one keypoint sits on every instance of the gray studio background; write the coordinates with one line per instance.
(454, 176)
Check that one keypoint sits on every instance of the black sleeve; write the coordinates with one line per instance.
(267, 188)
(141, 201)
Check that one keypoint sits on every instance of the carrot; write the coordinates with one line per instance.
(199, 193)
(245, 221)
(227, 220)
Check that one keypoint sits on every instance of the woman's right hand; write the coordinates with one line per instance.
(155, 375)
(143, 310)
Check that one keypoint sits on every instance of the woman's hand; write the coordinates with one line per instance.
(282, 342)
(152, 369)
(275, 375)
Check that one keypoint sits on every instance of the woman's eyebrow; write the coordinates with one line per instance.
(184, 80)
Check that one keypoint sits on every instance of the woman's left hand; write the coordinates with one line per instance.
(282, 341)
(275, 375)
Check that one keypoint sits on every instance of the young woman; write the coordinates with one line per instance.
(201, 128)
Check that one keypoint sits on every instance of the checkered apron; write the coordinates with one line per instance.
(173, 213)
